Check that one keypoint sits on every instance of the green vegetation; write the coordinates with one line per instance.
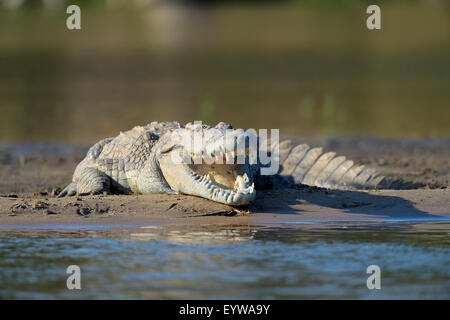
(207, 111)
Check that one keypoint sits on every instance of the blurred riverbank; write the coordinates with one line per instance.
(34, 167)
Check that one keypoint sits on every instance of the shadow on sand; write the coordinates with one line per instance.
(305, 198)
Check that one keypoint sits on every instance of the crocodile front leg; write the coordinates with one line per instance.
(91, 181)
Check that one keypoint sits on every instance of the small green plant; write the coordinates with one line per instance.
(207, 110)
(329, 114)
(21, 160)
(305, 108)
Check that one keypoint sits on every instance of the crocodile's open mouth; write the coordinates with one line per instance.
(226, 183)
(229, 182)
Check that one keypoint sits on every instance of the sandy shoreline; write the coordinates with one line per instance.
(291, 206)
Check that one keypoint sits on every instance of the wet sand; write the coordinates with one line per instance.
(291, 206)
(29, 173)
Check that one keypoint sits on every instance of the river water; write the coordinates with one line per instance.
(282, 261)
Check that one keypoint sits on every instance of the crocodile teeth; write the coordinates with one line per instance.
(243, 190)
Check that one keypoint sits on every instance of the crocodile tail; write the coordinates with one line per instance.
(310, 166)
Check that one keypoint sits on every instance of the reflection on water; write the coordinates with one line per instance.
(193, 237)
(308, 261)
(298, 68)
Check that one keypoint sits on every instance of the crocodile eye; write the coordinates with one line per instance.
(170, 149)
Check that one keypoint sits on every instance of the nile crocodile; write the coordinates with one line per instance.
(141, 161)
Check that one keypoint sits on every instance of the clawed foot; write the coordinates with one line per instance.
(71, 190)
(68, 191)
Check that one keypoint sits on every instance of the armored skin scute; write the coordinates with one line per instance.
(141, 161)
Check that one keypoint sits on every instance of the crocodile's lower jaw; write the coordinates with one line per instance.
(228, 184)
(223, 183)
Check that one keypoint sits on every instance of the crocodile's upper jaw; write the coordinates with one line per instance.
(231, 184)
